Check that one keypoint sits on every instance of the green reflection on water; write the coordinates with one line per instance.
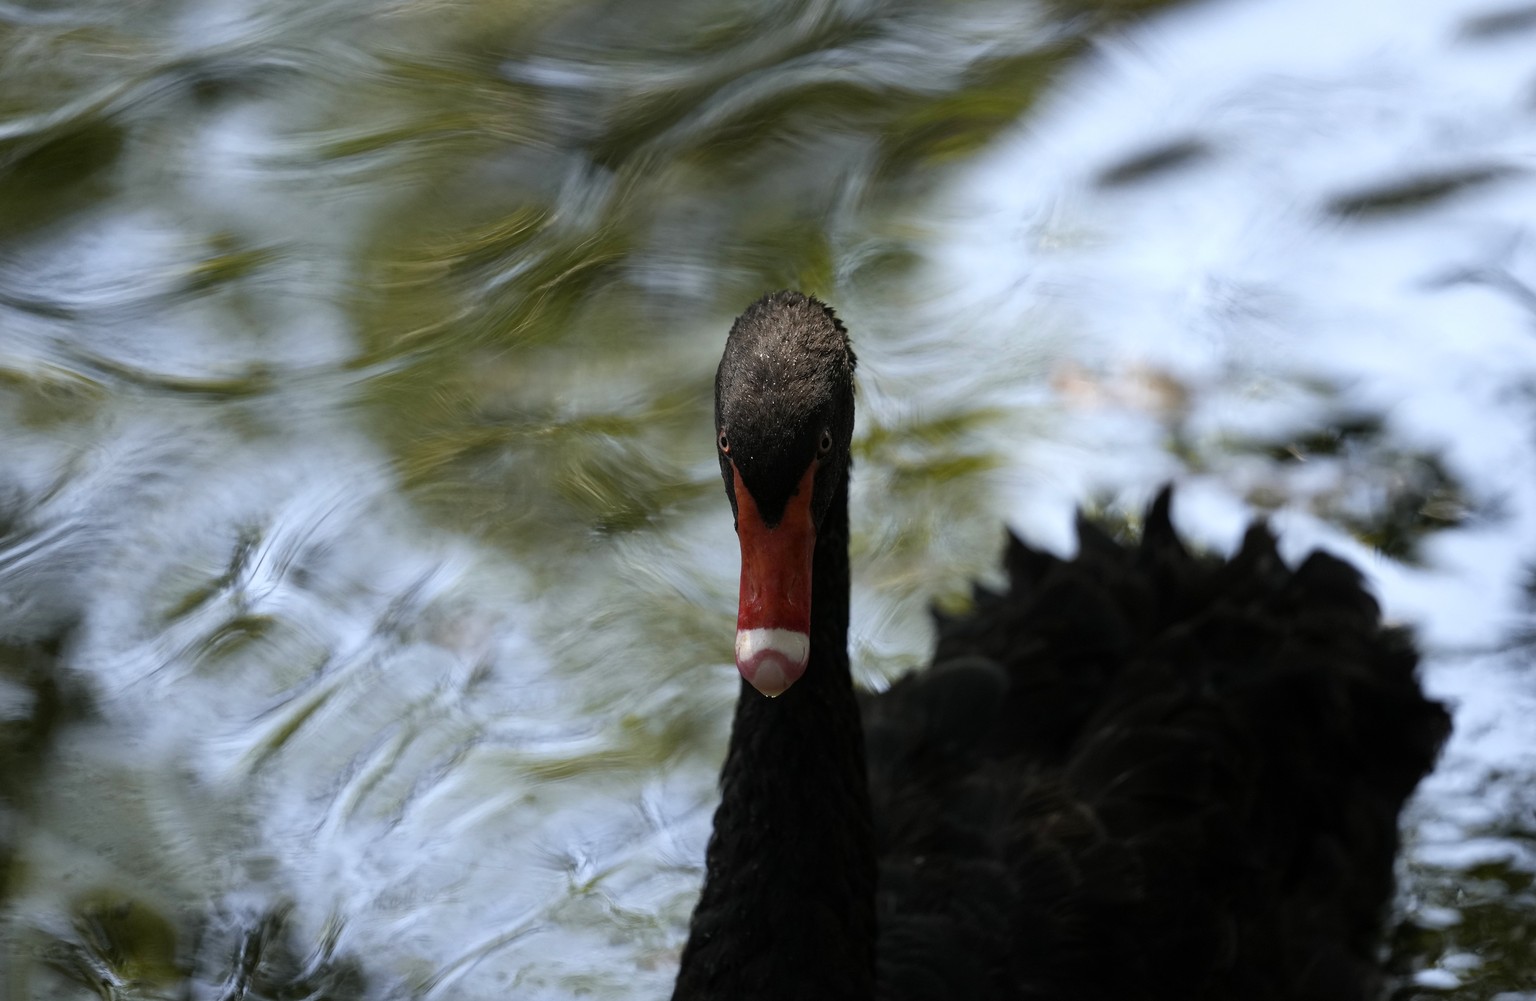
(1491, 944)
(51, 397)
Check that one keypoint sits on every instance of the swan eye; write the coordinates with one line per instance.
(724, 443)
(826, 443)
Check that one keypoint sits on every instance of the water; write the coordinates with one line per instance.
(366, 591)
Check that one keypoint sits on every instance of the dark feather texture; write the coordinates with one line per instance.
(1188, 788)
(1137, 773)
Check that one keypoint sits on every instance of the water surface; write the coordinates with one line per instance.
(366, 591)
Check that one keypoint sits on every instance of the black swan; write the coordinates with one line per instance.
(1138, 773)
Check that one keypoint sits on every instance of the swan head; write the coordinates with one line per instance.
(784, 422)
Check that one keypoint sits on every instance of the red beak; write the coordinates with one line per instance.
(773, 621)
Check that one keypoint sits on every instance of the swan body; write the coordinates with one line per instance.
(1137, 773)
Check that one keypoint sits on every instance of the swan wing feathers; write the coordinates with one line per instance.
(1146, 773)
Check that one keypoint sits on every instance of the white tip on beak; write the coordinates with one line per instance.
(771, 659)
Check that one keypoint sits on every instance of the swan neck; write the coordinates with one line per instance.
(787, 908)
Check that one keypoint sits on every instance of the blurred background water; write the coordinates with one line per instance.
(366, 590)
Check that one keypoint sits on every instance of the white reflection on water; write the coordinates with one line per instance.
(1231, 276)
(349, 716)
